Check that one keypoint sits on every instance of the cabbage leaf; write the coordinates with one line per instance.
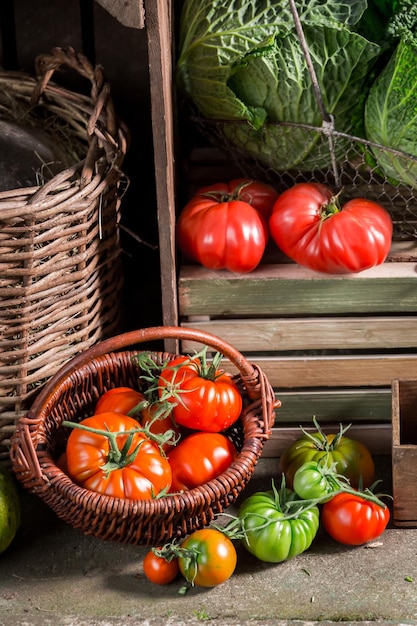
(391, 107)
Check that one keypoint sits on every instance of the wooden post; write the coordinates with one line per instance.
(159, 26)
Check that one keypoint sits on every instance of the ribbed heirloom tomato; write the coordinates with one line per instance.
(274, 530)
(222, 226)
(106, 455)
(310, 227)
(203, 396)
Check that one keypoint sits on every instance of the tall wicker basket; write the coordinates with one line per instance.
(72, 395)
(60, 274)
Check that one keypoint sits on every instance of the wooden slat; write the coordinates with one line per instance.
(353, 405)
(335, 371)
(288, 289)
(376, 437)
(322, 333)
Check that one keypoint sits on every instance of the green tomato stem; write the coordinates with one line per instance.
(224, 196)
(118, 458)
(320, 440)
(174, 551)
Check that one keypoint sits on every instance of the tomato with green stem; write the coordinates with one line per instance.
(277, 527)
(352, 520)
(206, 558)
(315, 480)
(351, 458)
(203, 396)
(309, 224)
(160, 570)
(220, 228)
(156, 418)
(209, 558)
(110, 454)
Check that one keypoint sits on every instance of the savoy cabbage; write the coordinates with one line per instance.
(242, 60)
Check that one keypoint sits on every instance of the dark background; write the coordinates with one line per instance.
(32, 27)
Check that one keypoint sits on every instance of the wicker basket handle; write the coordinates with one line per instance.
(46, 64)
(257, 385)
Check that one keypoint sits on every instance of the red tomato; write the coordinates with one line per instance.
(204, 399)
(220, 230)
(310, 228)
(352, 520)
(159, 570)
(198, 458)
(119, 400)
(93, 462)
(210, 558)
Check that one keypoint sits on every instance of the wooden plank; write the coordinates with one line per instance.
(159, 30)
(342, 405)
(321, 333)
(376, 437)
(288, 289)
(334, 371)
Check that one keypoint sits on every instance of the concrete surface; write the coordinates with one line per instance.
(54, 575)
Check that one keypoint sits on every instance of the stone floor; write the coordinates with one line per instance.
(54, 575)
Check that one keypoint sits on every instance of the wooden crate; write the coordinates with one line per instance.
(331, 345)
(404, 452)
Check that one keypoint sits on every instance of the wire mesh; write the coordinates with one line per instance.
(353, 164)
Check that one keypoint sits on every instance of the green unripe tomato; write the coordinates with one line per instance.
(269, 535)
(311, 483)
